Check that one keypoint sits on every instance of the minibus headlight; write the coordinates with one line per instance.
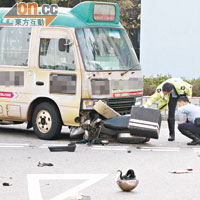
(138, 101)
(89, 103)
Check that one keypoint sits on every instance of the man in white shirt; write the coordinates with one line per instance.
(187, 113)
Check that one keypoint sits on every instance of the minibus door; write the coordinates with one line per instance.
(59, 76)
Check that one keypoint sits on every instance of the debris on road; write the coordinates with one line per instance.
(44, 164)
(189, 170)
(80, 197)
(6, 184)
(83, 141)
(127, 182)
(102, 142)
(70, 147)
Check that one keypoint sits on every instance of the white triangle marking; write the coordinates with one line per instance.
(34, 184)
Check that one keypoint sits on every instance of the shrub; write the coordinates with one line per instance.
(196, 87)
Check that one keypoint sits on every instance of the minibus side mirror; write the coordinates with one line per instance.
(61, 44)
(68, 45)
(64, 44)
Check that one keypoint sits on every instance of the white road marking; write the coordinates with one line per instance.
(55, 144)
(110, 148)
(12, 145)
(15, 144)
(196, 149)
(160, 149)
(44, 146)
(34, 185)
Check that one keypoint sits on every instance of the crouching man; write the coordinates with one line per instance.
(187, 113)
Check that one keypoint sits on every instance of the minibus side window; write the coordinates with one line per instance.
(14, 45)
(53, 57)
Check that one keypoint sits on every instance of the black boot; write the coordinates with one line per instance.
(195, 138)
(194, 142)
(171, 126)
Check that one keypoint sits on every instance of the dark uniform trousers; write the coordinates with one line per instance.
(171, 114)
(189, 127)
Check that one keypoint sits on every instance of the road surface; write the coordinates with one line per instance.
(91, 170)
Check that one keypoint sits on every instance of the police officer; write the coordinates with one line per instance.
(167, 93)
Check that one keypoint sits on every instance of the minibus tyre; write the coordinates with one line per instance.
(46, 121)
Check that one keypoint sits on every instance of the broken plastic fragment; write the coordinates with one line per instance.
(44, 164)
(181, 171)
(80, 197)
(70, 147)
(6, 184)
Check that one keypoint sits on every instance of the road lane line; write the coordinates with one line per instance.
(111, 146)
(14, 146)
(196, 149)
(161, 150)
(45, 146)
(109, 149)
(158, 148)
(34, 184)
(55, 144)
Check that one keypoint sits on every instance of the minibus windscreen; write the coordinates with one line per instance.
(106, 49)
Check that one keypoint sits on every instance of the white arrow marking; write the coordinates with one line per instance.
(34, 185)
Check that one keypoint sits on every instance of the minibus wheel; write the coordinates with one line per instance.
(46, 121)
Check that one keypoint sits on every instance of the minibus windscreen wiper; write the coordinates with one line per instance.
(131, 68)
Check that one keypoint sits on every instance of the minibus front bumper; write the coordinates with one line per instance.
(121, 105)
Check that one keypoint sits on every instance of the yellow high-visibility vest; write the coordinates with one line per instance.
(182, 88)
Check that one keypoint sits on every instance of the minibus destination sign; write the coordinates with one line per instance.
(104, 12)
